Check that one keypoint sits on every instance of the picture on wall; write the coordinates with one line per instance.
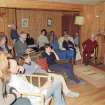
(24, 22)
(49, 22)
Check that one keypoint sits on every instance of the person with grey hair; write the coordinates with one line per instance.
(88, 48)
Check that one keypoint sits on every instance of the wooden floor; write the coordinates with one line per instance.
(89, 95)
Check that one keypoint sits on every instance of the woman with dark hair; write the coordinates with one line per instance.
(29, 40)
(42, 39)
(54, 41)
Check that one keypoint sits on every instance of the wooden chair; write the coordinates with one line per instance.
(42, 102)
(94, 56)
(36, 78)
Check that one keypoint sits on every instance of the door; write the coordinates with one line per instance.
(68, 25)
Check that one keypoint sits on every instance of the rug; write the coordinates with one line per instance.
(99, 66)
(90, 74)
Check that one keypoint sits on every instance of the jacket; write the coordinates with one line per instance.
(9, 99)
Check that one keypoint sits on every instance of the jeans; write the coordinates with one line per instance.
(67, 68)
(22, 101)
(56, 92)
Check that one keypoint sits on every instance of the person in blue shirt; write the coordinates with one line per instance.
(14, 33)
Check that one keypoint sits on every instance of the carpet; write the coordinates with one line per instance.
(90, 74)
(99, 66)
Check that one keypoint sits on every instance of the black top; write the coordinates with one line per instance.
(30, 41)
(50, 58)
(67, 44)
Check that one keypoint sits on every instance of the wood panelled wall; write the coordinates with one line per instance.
(94, 19)
(7, 16)
(38, 20)
(88, 28)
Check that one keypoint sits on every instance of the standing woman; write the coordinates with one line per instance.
(8, 95)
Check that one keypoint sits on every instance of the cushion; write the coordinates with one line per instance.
(42, 62)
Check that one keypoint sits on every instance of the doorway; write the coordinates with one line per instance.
(68, 25)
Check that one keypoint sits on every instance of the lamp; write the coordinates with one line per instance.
(79, 20)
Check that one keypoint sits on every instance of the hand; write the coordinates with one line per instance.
(28, 51)
(20, 69)
(52, 51)
(17, 93)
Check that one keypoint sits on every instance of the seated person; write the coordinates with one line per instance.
(8, 95)
(77, 39)
(52, 88)
(42, 39)
(3, 43)
(54, 41)
(88, 48)
(66, 36)
(31, 43)
(29, 65)
(63, 54)
(32, 67)
(51, 57)
(13, 32)
(66, 43)
(21, 46)
(29, 40)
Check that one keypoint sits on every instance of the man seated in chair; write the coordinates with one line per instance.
(51, 57)
(88, 48)
(32, 67)
(20, 45)
(52, 88)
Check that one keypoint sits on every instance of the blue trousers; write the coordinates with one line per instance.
(67, 68)
(22, 101)
(56, 92)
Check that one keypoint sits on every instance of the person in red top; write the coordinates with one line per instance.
(88, 48)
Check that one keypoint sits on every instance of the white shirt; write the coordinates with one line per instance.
(21, 84)
(42, 40)
(61, 39)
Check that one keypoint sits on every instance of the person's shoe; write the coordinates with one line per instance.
(77, 81)
(72, 94)
(49, 71)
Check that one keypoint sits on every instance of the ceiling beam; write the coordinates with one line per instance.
(36, 4)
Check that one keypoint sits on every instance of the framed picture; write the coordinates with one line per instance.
(49, 22)
(24, 22)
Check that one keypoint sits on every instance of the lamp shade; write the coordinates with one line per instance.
(79, 20)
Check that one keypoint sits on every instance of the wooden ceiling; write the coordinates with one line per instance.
(89, 2)
(39, 4)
